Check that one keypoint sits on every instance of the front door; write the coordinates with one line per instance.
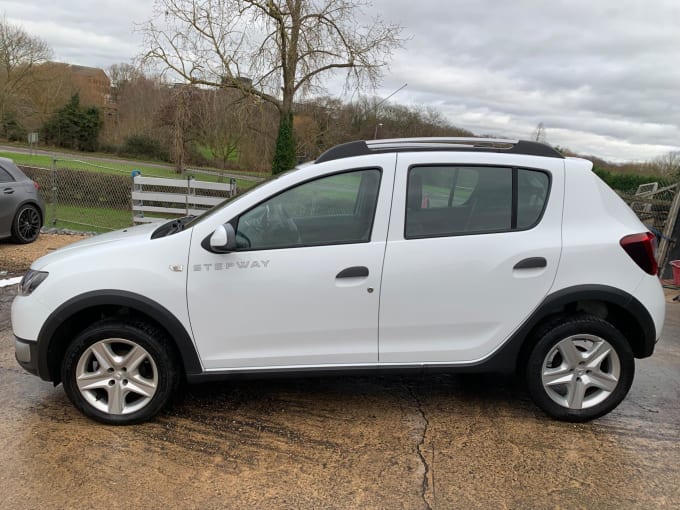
(303, 286)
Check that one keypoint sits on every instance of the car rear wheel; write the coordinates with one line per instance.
(580, 369)
(26, 224)
(120, 373)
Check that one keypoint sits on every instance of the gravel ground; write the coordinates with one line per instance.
(6, 298)
(17, 258)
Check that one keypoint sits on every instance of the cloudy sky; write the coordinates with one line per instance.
(603, 76)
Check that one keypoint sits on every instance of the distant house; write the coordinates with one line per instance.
(53, 83)
(92, 83)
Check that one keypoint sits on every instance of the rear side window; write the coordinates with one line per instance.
(4, 176)
(532, 193)
(456, 200)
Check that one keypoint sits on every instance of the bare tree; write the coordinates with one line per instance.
(221, 121)
(19, 53)
(667, 164)
(271, 49)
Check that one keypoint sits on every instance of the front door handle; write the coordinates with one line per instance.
(353, 272)
(532, 263)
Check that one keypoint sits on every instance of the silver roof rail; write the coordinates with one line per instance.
(382, 146)
(439, 143)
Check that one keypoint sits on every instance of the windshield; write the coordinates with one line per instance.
(210, 212)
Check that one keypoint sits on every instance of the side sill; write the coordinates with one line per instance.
(336, 370)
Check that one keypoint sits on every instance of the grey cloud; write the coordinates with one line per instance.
(602, 75)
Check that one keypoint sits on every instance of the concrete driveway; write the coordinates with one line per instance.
(346, 442)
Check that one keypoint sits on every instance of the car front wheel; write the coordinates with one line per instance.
(119, 373)
(580, 369)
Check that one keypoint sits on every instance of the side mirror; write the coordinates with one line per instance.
(223, 240)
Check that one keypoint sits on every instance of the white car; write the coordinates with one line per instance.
(409, 254)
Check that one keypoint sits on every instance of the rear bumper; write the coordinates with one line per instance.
(650, 292)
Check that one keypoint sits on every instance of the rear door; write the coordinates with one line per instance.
(473, 247)
(10, 195)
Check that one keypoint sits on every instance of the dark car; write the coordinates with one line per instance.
(22, 212)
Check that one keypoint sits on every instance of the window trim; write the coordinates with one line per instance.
(12, 179)
(515, 198)
(235, 220)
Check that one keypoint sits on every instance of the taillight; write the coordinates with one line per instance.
(36, 185)
(642, 249)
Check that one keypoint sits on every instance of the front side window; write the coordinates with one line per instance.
(456, 200)
(337, 209)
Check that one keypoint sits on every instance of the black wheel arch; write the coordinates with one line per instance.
(81, 311)
(618, 307)
(37, 205)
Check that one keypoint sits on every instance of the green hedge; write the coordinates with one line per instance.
(627, 182)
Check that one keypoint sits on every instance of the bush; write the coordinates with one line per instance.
(12, 129)
(107, 147)
(74, 126)
(626, 182)
(194, 157)
(144, 146)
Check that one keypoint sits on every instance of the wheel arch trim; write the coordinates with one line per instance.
(506, 357)
(116, 298)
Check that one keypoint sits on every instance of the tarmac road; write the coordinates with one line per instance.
(345, 442)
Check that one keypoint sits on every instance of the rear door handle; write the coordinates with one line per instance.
(353, 272)
(8, 191)
(531, 263)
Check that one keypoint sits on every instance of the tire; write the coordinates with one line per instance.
(120, 373)
(26, 224)
(579, 369)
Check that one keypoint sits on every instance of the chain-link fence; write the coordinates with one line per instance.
(91, 198)
(82, 199)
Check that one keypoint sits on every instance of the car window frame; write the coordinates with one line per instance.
(514, 202)
(234, 221)
(12, 179)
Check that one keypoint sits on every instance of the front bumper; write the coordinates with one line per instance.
(26, 353)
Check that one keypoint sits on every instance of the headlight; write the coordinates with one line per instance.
(30, 281)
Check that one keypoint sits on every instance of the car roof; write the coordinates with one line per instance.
(9, 166)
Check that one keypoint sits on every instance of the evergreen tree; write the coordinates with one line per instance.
(74, 126)
(284, 156)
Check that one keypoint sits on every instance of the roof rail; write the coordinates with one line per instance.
(361, 148)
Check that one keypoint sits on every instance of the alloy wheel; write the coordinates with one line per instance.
(580, 371)
(117, 376)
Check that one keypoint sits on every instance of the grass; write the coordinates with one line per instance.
(101, 219)
(108, 167)
(109, 160)
(92, 219)
(43, 161)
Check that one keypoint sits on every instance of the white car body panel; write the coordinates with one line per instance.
(289, 309)
(456, 299)
(595, 221)
(444, 300)
(125, 261)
